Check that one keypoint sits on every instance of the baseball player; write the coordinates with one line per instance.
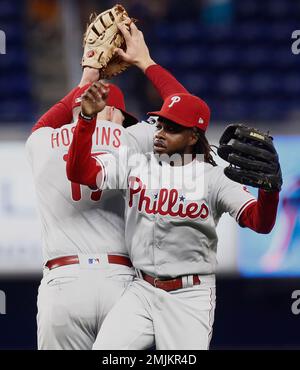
(86, 265)
(172, 210)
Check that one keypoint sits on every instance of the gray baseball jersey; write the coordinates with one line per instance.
(76, 219)
(172, 212)
(171, 219)
(73, 300)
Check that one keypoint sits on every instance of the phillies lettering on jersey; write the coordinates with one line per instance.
(165, 202)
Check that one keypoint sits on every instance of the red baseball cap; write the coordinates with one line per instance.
(115, 99)
(185, 110)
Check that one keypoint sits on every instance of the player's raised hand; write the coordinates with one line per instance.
(94, 99)
(137, 52)
(89, 75)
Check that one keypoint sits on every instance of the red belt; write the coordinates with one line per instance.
(72, 260)
(168, 285)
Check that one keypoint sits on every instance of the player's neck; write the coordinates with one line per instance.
(181, 159)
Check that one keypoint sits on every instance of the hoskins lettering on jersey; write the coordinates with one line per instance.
(166, 202)
(102, 136)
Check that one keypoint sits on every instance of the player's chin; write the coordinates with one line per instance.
(160, 150)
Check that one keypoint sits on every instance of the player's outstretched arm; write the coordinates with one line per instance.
(82, 168)
(258, 215)
(261, 216)
(62, 112)
(138, 54)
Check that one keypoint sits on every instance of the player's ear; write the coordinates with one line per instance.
(115, 115)
(122, 118)
(194, 137)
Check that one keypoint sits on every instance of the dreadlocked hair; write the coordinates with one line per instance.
(203, 147)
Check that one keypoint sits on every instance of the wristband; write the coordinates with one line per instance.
(86, 118)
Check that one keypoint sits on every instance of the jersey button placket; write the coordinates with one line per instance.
(156, 243)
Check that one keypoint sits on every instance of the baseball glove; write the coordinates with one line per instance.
(252, 157)
(101, 39)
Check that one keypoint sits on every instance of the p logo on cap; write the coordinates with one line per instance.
(185, 110)
(175, 99)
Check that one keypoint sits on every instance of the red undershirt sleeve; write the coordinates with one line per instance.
(82, 168)
(261, 216)
(60, 114)
(164, 82)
